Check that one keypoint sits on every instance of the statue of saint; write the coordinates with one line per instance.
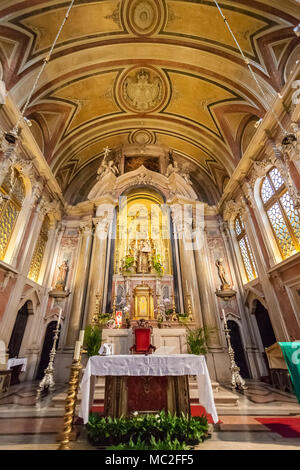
(222, 275)
(62, 276)
(143, 257)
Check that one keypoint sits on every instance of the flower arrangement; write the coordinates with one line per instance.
(157, 264)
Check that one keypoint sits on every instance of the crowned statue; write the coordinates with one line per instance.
(144, 257)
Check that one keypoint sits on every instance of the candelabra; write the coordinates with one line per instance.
(158, 305)
(70, 406)
(173, 305)
(128, 306)
(189, 307)
(114, 306)
(95, 319)
(48, 381)
(237, 382)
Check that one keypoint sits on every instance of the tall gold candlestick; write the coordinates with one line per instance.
(189, 305)
(237, 382)
(114, 305)
(158, 305)
(173, 305)
(70, 405)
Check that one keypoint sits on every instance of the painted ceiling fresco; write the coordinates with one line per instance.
(146, 71)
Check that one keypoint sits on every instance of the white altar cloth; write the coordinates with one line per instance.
(16, 362)
(155, 365)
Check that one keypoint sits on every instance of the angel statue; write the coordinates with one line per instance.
(172, 168)
(107, 167)
(185, 173)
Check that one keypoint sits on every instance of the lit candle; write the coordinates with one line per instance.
(77, 351)
(81, 337)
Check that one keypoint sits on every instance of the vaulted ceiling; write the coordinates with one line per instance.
(201, 101)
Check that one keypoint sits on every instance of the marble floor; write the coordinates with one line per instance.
(25, 426)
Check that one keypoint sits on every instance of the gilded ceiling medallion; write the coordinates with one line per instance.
(144, 17)
(142, 90)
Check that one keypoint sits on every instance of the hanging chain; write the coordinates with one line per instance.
(247, 62)
(45, 62)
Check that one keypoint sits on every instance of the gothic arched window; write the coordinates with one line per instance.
(12, 194)
(245, 249)
(39, 251)
(283, 217)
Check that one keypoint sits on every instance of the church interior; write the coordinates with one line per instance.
(150, 183)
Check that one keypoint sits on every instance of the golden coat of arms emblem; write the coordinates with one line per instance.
(143, 92)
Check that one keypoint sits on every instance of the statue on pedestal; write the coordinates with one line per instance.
(62, 276)
(143, 257)
(221, 272)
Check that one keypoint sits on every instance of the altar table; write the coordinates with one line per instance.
(16, 365)
(153, 365)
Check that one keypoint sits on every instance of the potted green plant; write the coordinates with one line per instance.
(183, 318)
(103, 319)
(128, 263)
(197, 340)
(92, 340)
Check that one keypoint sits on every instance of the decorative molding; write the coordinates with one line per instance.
(259, 169)
(7, 276)
(86, 228)
(233, 208)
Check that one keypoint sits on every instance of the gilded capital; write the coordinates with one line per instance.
(86, 228)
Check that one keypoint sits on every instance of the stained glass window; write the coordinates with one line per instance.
(245, 249)
(283, 217)
(12, 193)
(39, 251)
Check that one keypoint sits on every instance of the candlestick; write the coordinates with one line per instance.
(70, 406)
(77, 351)
(48, 382)
(237, 382)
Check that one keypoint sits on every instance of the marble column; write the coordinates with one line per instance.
(97, 266)
(81, 276)
(206, 289)
(188, 269)
(36, 224)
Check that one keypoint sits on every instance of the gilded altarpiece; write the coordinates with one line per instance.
(142, 263)
(12, 194)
